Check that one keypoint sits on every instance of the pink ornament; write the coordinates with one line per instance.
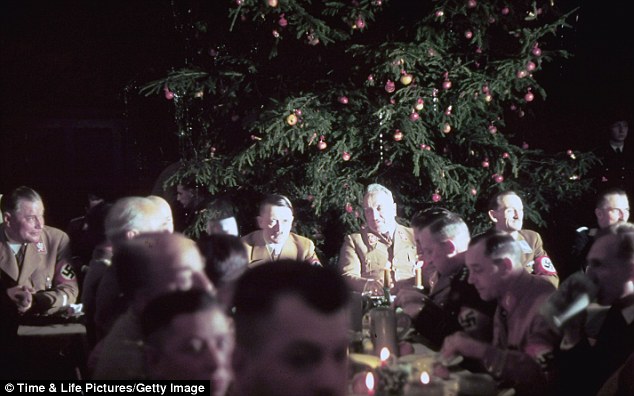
(522, 74)
(359, 23)
(498, 178)
(389, 86)
(439, 13)
(275, 33)
(420, 104)
(493, 129)
(239, 2)
(446, 128)
(472, 3)
(436, 197)
(525, 145)
(468, 34)
(423, 146)
(298, 112)
(346, 156)
(446, 84)
(370, 77)
(414, 116)
(485, 89)
(529, 96)
(282, 21)
(530, 66)
(348, 207)
(398, 135)
(322, 145)
(474, 191)
(505, 11)
(485, 163)
(169, 95)
(343, 99)
(536, 51)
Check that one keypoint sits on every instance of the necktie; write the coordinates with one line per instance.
(19, 256)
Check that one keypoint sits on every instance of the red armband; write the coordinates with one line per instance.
(543, 265)
(64, 273)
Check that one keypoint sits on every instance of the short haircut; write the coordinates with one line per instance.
(603, 196)
(499, 244)
(219, 209)
(441, 223)
(375, 188)
(276, 200)
(11, 201)
(495, 201)
(225, 257)
(259, 289)
(160, 312)
(128, 214)
(624, 233)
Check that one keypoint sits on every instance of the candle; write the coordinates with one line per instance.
(387, 279)
(419, 274)
(369, 383)
(384, 356)
(424, 387)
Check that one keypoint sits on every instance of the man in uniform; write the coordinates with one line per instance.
(382, 245)
(453, 304)
(35, 260)
(521, 353)
(274, 240)
(506, 210)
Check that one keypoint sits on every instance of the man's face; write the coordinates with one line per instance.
(26, 224)
(618, 131)
(184, 195)
(380, 212)
(276, 223)
(181, 267)
(432, 251)
(509, 216)
(302, 352)
(484, 273)
(611, 272)
(196, 346)
(615, 208)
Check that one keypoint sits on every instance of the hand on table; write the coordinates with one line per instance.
(460, 344)
(410, 300)
(22, 296)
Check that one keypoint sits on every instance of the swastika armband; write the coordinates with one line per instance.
(543, 265)
(64, 274)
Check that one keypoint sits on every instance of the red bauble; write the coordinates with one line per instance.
(436, 197)
(492, 129)
(530, 66)
(345, 156)
(169, 95)
(282, 21)
(468, 34)
(398, 135)
(343, 99)
(505, 11)
(474, 191)
(348, 207)
(446, 84)
(522, 73)
(359, 23)
(529, 96)
(536, 51)
(322, 145)
(389, 86)
(506, 155)
(485, 163)
(414, 116)
(498, 178)
(472, 3)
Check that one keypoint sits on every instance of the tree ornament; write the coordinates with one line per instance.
(275, 33)
(485, 89)
(472, 3)
(448, 110)
(498, 178)
(359, 23)
(398, 135)
(446, 128)
(530, 66)
(291, 119)
(414, 116)
(439, 13)
(571, 154)
(446, 85)
(343, 99)
(378, 3)
(529, 96)
(345, 156)
(312, 40)
(493, 129)
(488, 98)
(505, 11)
(282, 21)
(505, 155)
(525, 145)
(370, 77)
(536, 50)
(522, 73)
(298, 112)
(348, 207)
(389, 86)
(322, 144)
(436, 197)
(473, 191)
(420, 104)
(468, 34)
(272, 3)
(406, 79)
(485, 163)
(239, 2)
(169, 95)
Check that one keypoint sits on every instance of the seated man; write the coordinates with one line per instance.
(166, 212)
(506, 210)
(520, 355)
(612, 207)
(146, 267)
(35, 261)
(274, 240)
(225, 261)
(453, 303)
(291, 331)
(187, 336)
(382, 244)
(221, 218)
(585, 364)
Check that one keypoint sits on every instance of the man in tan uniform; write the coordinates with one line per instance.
(274, 240)
(382, 244)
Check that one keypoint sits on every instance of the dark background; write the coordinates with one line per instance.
(72, 121)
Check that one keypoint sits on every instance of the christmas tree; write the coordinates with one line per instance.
(317, 99)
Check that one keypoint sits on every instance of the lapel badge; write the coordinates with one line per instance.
(41, 248)
(372, 239)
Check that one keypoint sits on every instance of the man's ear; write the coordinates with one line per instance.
(449, 247)
(6, 217)
(492, 216)
(131, 234)
(260, 221)
(598, 213)
(506, 265)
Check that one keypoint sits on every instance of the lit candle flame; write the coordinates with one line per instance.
(424, 377)
(384, 354)
(388, 265)
(369, 381)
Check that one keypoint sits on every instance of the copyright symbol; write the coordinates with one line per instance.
(9, 388)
